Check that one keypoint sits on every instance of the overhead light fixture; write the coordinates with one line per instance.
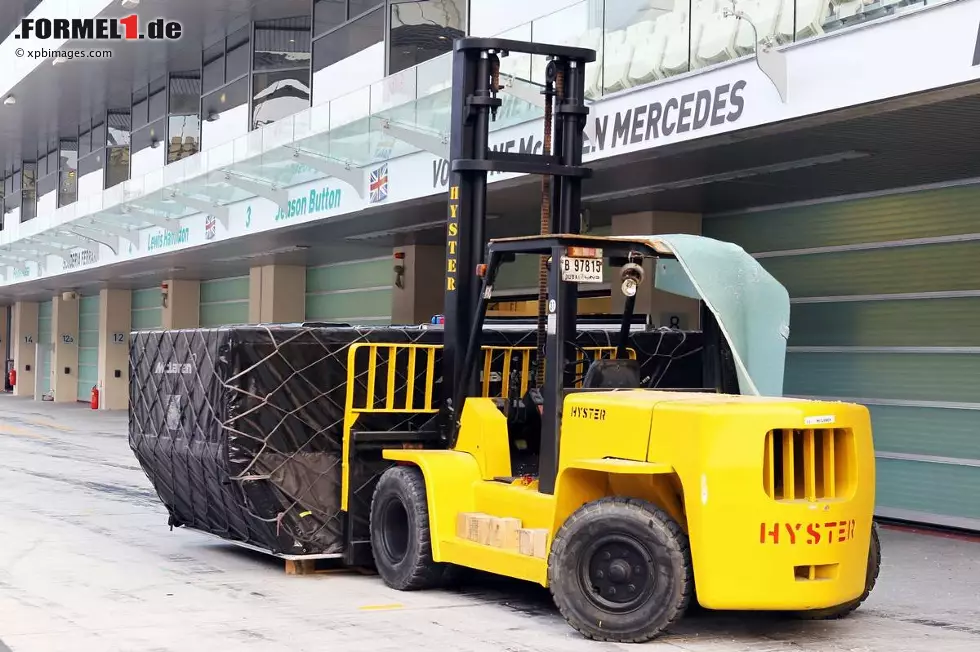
(155, 143)
(404, 229)
(57, 61)
(729, 176)
(130, 4)
(151, 272)
(263, 254)
(212, 116)
(10, 99)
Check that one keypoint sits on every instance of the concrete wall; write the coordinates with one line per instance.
(64, 355)
(421, 295)
(115, 322)
(182, 306)
(664, 308)
(24, 346)
(277, 294)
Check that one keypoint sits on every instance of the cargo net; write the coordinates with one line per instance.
(241, 429)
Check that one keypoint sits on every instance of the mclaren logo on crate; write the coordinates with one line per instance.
(173, 368)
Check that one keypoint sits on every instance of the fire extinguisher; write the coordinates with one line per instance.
(12, 377)
(95, 397)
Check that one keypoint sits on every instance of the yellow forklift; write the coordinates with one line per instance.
(629, 502)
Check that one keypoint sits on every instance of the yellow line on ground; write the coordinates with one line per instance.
(10, 429)
(47, 424)
(381, 607)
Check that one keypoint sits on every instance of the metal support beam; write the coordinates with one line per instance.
(530, 92)
(12, 262)
(26, 256)
(72, 240)
(125, 234)
(771, 62)
(217, 211)
(270, 191)
(157, 220)
(60, 252)
(353, 177)
(108, 239)
(429, 142)
(522, 90)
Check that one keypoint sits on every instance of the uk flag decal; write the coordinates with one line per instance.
(379, 183)
(210, 227)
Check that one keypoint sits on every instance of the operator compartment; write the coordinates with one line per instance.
(778, 493)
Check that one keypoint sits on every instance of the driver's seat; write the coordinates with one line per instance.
(612, 374)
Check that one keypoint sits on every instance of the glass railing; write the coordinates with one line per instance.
(636, 41)
(641, 41)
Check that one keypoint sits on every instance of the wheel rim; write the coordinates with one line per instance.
(394, 531)
(616, 573)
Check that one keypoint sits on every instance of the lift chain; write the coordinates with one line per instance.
(494, 81)
(553, 87)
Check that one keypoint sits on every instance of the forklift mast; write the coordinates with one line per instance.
(476, 75)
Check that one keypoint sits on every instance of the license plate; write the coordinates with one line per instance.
(581, 270)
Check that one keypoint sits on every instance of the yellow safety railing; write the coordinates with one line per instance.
(412, 357)
(505, 355)
(499, 362)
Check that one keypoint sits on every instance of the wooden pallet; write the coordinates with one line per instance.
(323, 567)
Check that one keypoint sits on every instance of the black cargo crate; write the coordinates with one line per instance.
(240, 428)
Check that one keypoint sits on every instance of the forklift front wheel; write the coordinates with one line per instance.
(620, 570)
(400, 537)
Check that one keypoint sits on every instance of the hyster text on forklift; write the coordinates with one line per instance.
(628, 502)
(566, 464)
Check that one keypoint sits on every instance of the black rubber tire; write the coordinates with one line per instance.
(844, 610)
(623, 524)
(400, 540)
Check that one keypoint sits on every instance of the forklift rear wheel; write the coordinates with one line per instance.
(844, 610)
(620, 570)
(400, 531)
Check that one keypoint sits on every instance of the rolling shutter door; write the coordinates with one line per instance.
(885, 305)
(88, 346)
(45, 345)
(357, 292)
(224, 301)
(147, 309)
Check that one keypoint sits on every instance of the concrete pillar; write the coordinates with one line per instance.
(277, 294)
(6, 346)
(24, 346)
(64, 354)
(421, 293)
(115, 323)
(181, 304)
(665, 309)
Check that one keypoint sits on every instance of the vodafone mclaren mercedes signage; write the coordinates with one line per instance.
(647, 122)
(864, 64)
